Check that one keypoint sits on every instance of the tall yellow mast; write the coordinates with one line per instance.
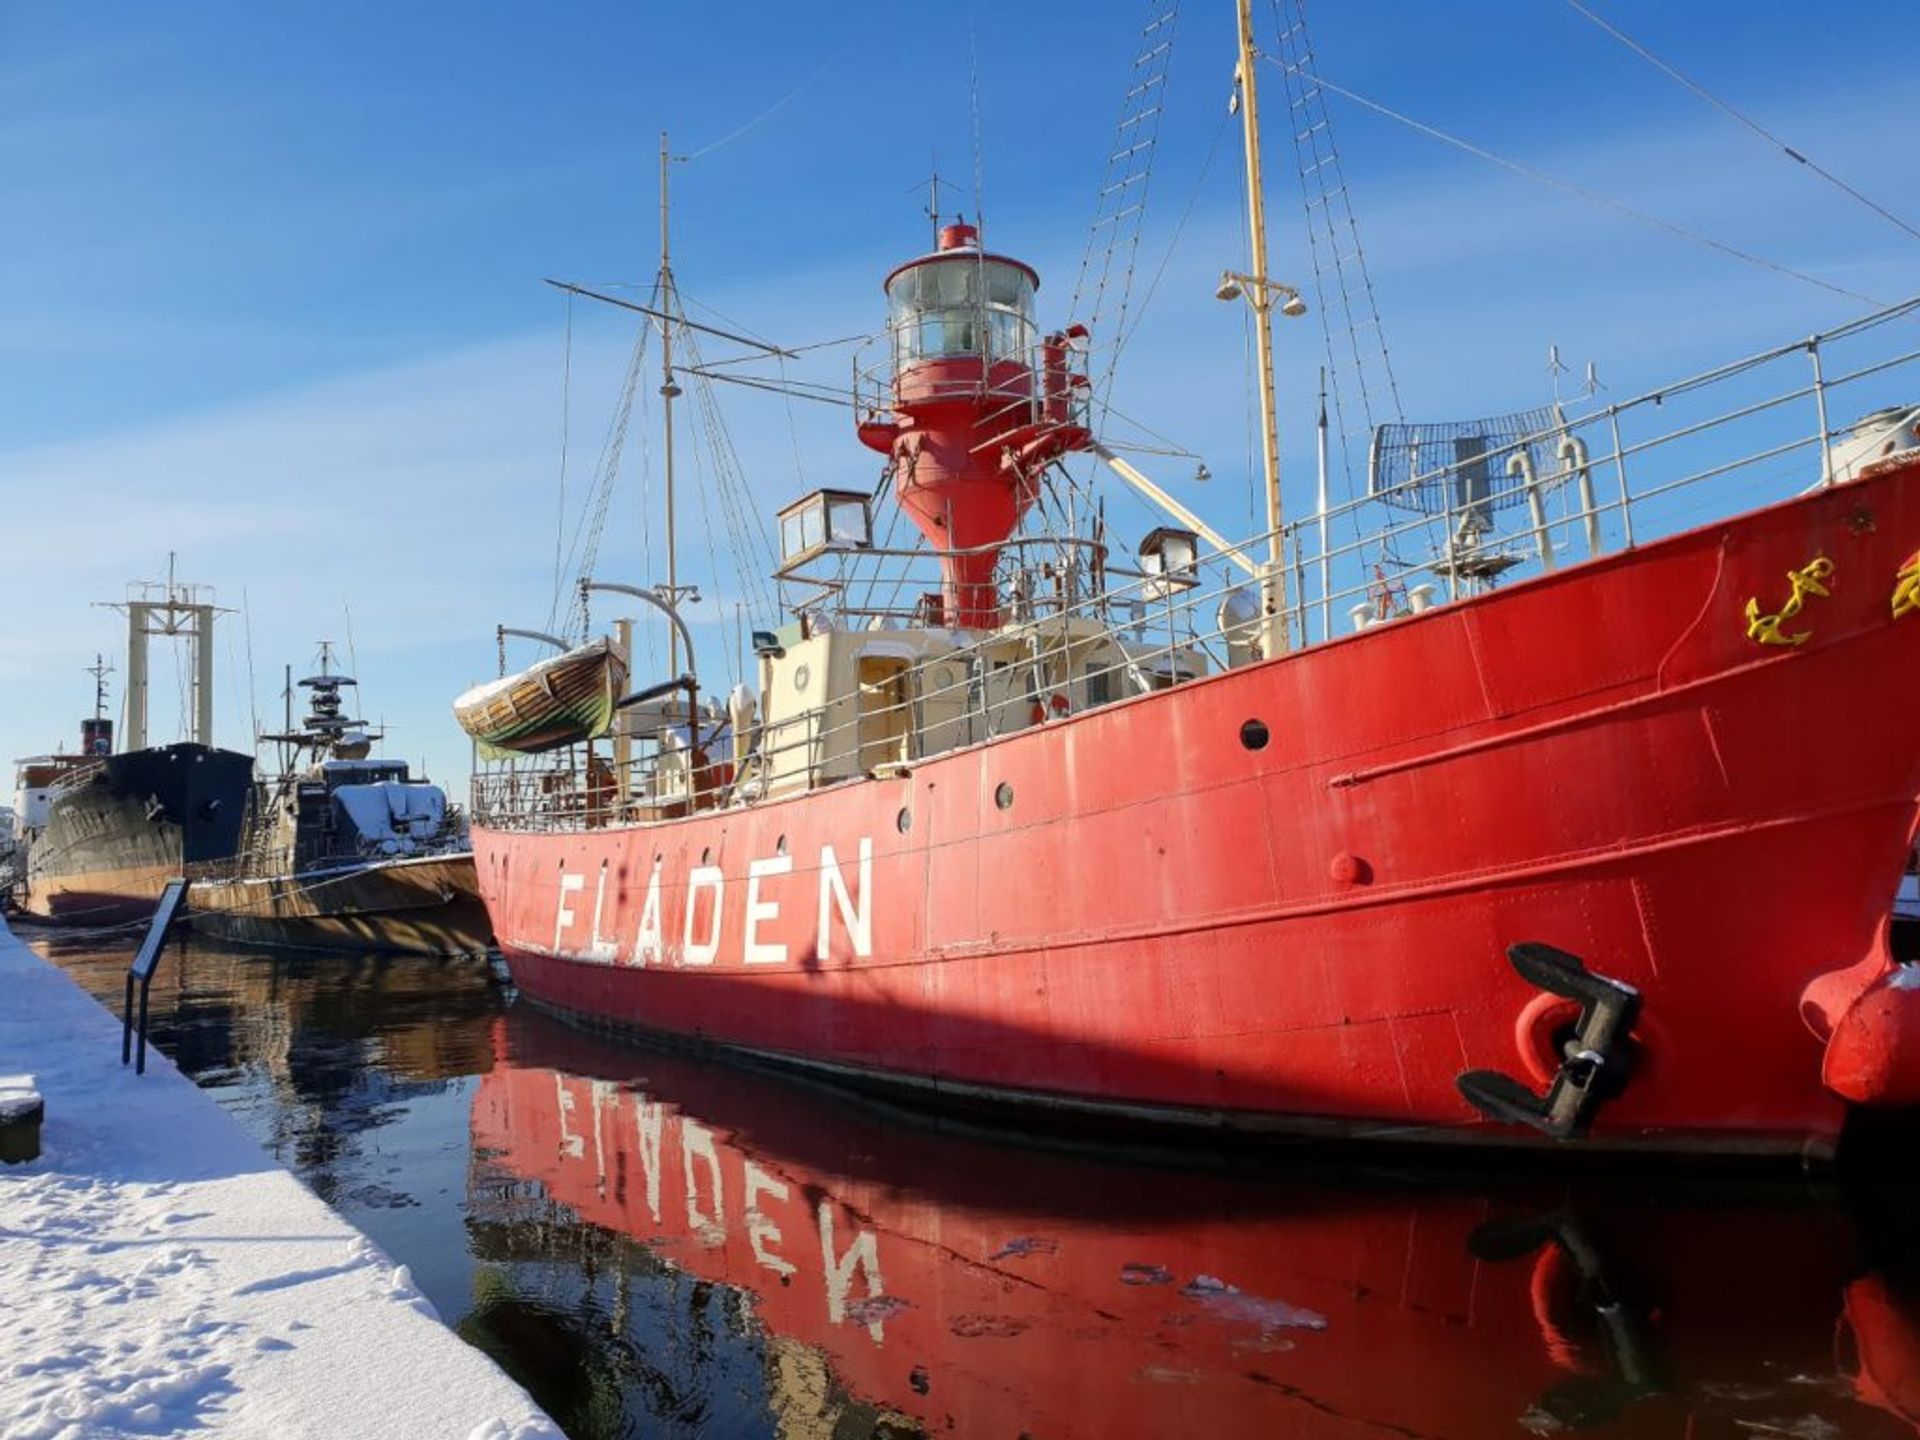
(1273, 589)
(668, 389)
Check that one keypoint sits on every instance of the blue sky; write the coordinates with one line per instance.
(270, 291)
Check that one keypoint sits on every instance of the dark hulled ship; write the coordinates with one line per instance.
(120, 826)
(345, 850)
(105, 831)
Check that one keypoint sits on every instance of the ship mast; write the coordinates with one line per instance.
(99, 670)
(668, 389)
(1260, 293)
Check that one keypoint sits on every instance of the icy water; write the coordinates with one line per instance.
(660, 1247)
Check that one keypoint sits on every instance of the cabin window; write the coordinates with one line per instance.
(826, 519)
(802, 530)
(1099, 684)
(847, 522)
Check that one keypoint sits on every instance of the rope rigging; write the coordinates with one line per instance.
(1329, 219)
(1593, 197)
(1121, 203)
(584, 549)
(1328, 207)
(566, 431)
(752, 551)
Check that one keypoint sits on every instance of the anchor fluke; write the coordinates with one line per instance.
(1594, 1064)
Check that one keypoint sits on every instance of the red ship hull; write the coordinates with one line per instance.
(1160, 921)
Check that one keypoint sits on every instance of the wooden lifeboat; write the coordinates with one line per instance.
(559, 701)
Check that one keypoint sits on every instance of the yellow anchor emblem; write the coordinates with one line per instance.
(1809, 579)
(1906, 589)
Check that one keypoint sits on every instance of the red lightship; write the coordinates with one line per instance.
(1587, 830)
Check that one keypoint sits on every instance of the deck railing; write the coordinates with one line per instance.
(1722, 442)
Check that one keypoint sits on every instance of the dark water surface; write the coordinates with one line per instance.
(657, 1246)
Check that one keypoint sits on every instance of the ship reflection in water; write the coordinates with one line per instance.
(654, 1245)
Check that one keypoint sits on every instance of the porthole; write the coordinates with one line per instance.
(780, 846)
(706, 856)
(1254, 735)
(801, 675)
(903, 822)
(1003, 796)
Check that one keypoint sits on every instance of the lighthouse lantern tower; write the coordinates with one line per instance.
(978, 406)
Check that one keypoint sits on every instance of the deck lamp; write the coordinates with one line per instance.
(1233, 286)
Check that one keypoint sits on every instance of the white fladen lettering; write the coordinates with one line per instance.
(563, 916)
(847, 908)
(857, 921)
(646, 941)
(756, 950)
(600, 949)
(704, 877)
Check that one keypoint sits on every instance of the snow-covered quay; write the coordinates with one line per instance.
(161, 1275)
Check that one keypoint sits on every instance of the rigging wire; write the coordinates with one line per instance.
(1121, 203)
(1173, 244)
(566, 419)
(795, 389)
(588, 531)
(353, 656)
(700, 456)
(792, 351)
(645, 431)
(775, 108)
(1798, 156)
(746, 332)
(752, 551)
(979, 157)
(182, 679)
(1168, 445)
(253, 686)
(1593, 197)
(1325, 196)
(793, 430)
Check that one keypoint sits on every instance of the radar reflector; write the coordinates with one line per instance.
(1460, 467)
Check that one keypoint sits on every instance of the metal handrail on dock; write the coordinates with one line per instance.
(172, 909)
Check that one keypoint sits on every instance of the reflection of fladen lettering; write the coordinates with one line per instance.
(762, 1233)
(850, 1275)
(768, 926)
(697, 1141)
(606, 1103)
(649, 1119)
(862, 1252)
(571, 1145)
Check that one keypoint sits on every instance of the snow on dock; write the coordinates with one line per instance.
(162, 1275)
